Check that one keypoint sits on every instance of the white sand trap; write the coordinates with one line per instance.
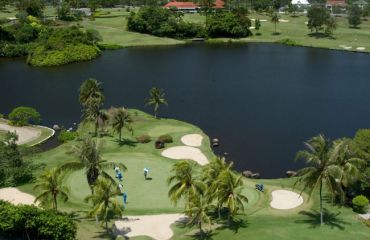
(193, 140)
(154, 226)
(284, 199)
(186, 152)
(14, 196)
(263, 20)
(348, 47)
(360, 48)
(251, 28)
(25, 134)
(283, 20)
(306, 23)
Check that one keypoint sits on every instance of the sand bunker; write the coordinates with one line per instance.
(14, 196)
(154, 226)
(360, 48)
(193, 140)
(25, 134)
(283, 20)
(186, 152)
(284, 199)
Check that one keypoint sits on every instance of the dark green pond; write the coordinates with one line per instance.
(263, 101)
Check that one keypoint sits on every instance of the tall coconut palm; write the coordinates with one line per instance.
(91, 89)
(50, 185)
(321, 155)
(210, 173)
(94, 113)
(121, 118)
(89, 158)
(228, 190)
(199, 212)
(275, 19)
(105, 204)
(348, 162)
(185, 184)
(156, 99)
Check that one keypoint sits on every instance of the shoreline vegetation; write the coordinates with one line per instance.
(83, 39)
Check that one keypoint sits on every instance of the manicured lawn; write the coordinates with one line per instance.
(2, 135)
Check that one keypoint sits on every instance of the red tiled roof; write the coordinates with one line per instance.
(180, 5)
(336, 2)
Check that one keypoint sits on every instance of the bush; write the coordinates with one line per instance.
(21, 116)
(360, 203)
(287, 41)
(165, 138)
(41, 56)
(367, 222)
(18, 221)
(66, 136)
(143, 139)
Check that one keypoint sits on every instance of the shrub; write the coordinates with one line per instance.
(165, 138)
(228, 24)
(143, 139)
(287, 41)
(13, 50)
(1, 115)
(17, 221)
(360, 202)
(66, 136)
(21, 116)
(367, 222)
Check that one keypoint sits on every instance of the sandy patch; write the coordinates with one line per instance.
(251, 28)
(154, 226)
(14, 196)
(283, 20)
(186, 152)
(193, 140)
(284, 199)
(360, 48)
(263, 20)
(25, 134)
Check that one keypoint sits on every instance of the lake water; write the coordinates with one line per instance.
(262, 100)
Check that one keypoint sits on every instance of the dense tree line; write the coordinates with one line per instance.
(166, 23)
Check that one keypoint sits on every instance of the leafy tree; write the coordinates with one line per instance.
(199, 212)
(50, 183)
(228, 188)
(21, 116)
(228, 24)
(362, 144)
(31, 7)
(317, 17)
(320, 155)
(105, 204)
(354, 15)
(184, 183)
(64, 11)
(93, 4)
(292, 9)
(121, 118)
(89, 155)
(156, 99)
(275, 19)
(330, 26)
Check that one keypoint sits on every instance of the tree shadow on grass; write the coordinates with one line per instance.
(330, 219)
(235, 225)
(126, 142)
(320, 35)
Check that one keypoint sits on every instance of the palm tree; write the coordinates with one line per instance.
(93, 112)
(121, 119)
(50, 183)
(275, 19)
(90, 89)
(156, 99)
(185, 184)
(321, 155)
(104, 207)
(211, 172)
(89, 155)
(198, 212)
(228, 190)
(348, 162)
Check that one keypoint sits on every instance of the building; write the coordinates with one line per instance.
(300, 2)
(336, 3)
(361, 3)
(191, 7)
